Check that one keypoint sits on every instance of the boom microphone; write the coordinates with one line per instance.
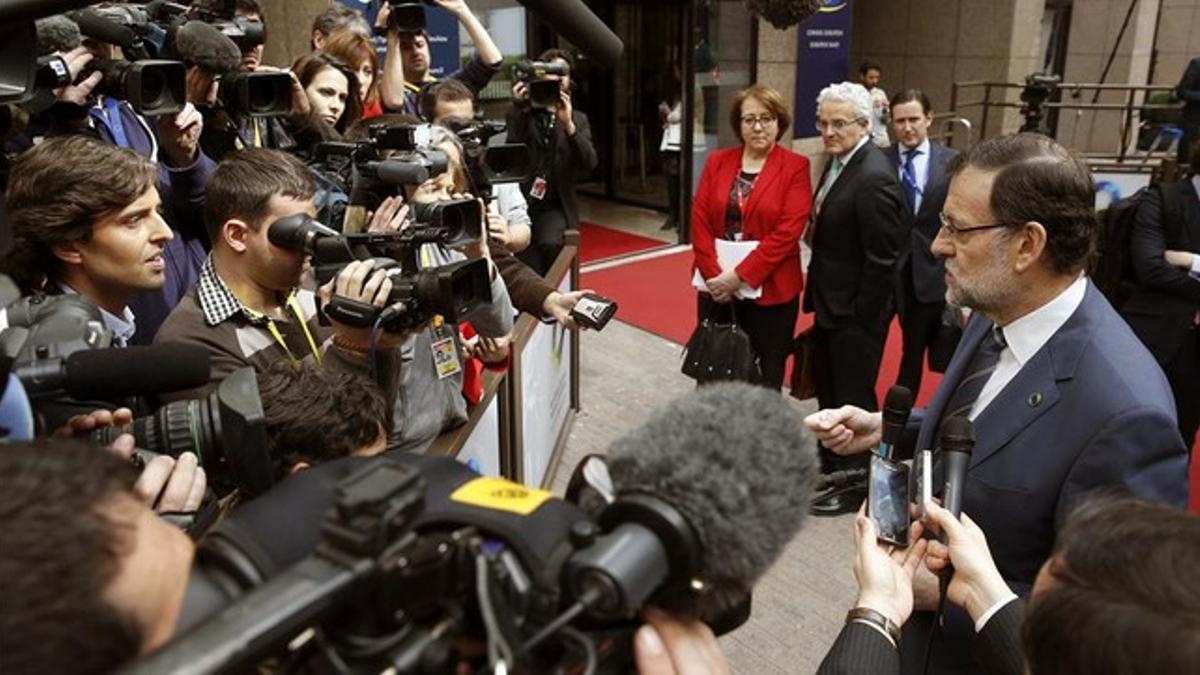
(581, 27)
(709, 491)
(113, 373)
(897, 406)
(98, 27)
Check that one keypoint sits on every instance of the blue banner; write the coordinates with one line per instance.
(443, 36)
(823, 58)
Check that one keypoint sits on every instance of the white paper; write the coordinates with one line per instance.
(730, 254)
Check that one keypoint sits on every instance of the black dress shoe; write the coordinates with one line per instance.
(839, 501)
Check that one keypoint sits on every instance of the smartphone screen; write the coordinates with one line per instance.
(887, 500)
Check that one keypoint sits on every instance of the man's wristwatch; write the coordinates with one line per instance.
(877, 619)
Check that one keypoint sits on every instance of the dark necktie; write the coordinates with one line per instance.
(909, 178)
(978, 372)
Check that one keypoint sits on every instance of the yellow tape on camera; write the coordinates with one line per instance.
(500, 494)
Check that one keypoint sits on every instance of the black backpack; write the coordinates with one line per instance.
(1112, 268)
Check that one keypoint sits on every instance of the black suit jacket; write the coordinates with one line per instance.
(572, 158)
(1162, 308)
(862, 650)
(1188, 90)
(927, 269)
(859, 233)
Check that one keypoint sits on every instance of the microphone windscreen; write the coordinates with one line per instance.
(57, 34)
(100, 28)
(198, 43)
(898, 402)
(738, 463)
(135, 371)
(958, 435)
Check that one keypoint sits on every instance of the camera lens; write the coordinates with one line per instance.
(154, 88)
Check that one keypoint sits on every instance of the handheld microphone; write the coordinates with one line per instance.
(897, 406)
(957, 442)
(105, 374)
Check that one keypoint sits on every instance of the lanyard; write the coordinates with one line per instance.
(743, 195)
(294, 305)
(110, 117)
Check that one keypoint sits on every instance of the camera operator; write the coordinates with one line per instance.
(247, 308)
(403, 77)
(560, 140)
(450, 103)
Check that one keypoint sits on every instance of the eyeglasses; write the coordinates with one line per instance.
(752, 121)
(838, 125)
(956, 233)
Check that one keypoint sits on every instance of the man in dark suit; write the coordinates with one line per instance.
(921, 292)
(1063, 396)
(1164, 310)
(856, 234)
(1188, 91)
(560, 144)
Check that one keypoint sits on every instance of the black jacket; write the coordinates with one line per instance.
(927, 269)
(570, 159)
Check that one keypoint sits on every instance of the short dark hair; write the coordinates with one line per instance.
(556, 53)
(910, 95)
(245, 181)
(60, 553)
(1125, 597)
(308, 66)
(1039, 180)
(337, 17)
(58, 190)
(316, 414)
(868, 66)
(449, 89)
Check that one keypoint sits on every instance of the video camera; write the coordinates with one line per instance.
(407, 16)
(543, 91)
(452, 290)
(226, 431)
(489, 165)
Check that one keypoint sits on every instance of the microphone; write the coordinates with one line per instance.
(897, 406)
(581, 27)
(708, 492)
(114, 373)
(57, 34)
(957, 442)
(97, 27)
(200, 44)
(16, 11)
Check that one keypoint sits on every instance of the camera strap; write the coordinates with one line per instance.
(273, 328)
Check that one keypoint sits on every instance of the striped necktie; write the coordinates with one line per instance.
(978, 372)
(909, 178)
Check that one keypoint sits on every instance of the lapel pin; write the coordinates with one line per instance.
(1035, 399)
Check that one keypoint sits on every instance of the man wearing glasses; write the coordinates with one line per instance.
(1063, 397)
(856, 232)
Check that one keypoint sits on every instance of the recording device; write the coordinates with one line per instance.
(255, 94)
(215, 47)
(489, 165)
(1038, 90)
(392, 156)
(593, 311)
(407, 16)
(957, 442)
(226, 430)
(417, 295)
(887, 500)
(923, 472)
(543, 92)
(151, 86)
(245, 33)
(422, 565)
(52, 72)
(897, 406)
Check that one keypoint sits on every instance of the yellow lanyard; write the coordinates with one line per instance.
(294, 305)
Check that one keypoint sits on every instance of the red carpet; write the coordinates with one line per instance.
(602, 243)
(656, 295)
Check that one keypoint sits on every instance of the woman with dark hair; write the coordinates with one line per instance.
(332, 89)
(358, 52)
(756, 191)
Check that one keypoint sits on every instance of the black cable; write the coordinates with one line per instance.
(943, 584)
(589, 650)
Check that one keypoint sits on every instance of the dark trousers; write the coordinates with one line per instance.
(919, 322)
(846, 362)
(1183, 374)
(770, 328)
(671, 173)
(546, 242)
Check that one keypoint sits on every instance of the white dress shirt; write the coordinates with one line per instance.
(1025, 337)
(920, 169)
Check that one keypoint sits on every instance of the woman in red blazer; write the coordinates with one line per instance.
(757, 191)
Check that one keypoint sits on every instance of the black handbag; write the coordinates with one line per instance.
(720, 351)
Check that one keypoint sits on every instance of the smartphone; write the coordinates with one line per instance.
(923, 470)
(887, 500)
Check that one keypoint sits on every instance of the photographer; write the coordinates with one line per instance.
(406, 66)
(450, 104)
(247, 308)
(560, 140)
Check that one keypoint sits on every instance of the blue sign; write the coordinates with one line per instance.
(441, 26)
(823, 58)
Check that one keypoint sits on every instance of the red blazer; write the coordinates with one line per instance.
(775, 215)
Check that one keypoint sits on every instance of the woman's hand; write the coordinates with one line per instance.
(724, 286)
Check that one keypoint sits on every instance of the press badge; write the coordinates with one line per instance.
(538, 190)
(445, 353)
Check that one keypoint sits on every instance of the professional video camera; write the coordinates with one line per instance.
(543, 91)
(226, 431)
(1039, 89)
(423, 566)
(452, 290)
(489, 165)
(408, 16)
